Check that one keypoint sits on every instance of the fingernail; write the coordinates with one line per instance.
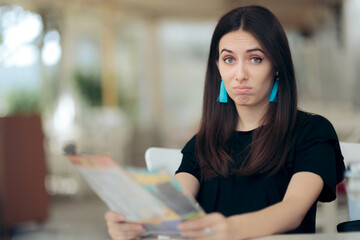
(121, 217)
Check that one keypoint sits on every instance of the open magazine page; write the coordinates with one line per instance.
(170, 193)
(151, 198)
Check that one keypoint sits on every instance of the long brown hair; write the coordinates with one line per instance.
(271, 143)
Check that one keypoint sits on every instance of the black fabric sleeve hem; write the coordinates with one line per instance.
(318, 151)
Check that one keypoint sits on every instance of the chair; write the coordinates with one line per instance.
(351, 153)
(168, 159)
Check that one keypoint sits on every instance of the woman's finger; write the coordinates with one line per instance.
(205, 233)
(202, 222)
(126, 227)
(211, 226)
(119, 229)
(113, 216)
(125, 230)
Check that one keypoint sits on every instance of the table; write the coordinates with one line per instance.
(321, 236)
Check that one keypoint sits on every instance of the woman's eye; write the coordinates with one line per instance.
(256, 59)
(229, 60)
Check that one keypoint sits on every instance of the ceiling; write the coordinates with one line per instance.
(304, 15)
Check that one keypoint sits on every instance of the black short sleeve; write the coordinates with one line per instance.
(317, 150)
(189, 164)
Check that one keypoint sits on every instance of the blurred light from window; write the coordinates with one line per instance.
(64, 114)
(21, 56)
(19, 29)
(51, 52)
(20, 26)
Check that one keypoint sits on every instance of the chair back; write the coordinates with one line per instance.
(351, 153)
(168, 159)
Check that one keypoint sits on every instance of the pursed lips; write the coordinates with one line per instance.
(242, 89)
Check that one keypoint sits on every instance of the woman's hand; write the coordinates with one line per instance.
(210, 226)
(119, 229)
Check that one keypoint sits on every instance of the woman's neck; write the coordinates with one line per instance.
(249, 118)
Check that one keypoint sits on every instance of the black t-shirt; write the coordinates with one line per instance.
(316, 149)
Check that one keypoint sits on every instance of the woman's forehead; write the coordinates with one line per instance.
(239, 39)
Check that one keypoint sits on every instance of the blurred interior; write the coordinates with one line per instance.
(120, 76)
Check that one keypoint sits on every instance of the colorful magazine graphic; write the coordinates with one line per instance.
(154, 199)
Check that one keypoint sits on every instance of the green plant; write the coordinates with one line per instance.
(89, 86)
(23, 102)
(90, 89)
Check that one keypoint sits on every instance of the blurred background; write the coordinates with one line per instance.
(120, 76)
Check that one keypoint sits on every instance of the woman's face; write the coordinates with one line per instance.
(247, 72)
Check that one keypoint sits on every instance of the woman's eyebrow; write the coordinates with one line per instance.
(249, 50)
(255, 49)
(226, 50)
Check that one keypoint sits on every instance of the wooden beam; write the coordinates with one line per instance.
(108, 55)
(296, 14)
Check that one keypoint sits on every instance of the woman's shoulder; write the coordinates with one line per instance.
(314, 125)
(190, 145)
(311, 120)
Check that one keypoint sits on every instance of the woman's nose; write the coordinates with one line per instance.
(241, 72)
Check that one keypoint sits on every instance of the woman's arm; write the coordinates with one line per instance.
(188, 182)
(303, 190)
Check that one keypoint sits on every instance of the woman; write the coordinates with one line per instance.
(258, 165)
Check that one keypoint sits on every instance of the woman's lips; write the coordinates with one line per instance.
(242, 90)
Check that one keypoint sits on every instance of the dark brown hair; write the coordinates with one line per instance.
(270, 143)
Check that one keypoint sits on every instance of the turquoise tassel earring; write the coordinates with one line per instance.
(273, 95)
(223, 94)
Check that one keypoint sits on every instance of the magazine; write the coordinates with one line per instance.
(154, 199)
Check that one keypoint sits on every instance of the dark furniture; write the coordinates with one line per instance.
(350, 226)
(22, 172)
